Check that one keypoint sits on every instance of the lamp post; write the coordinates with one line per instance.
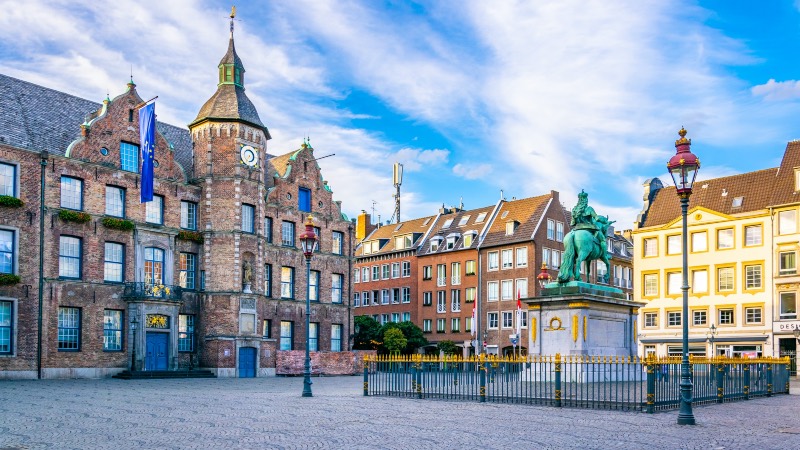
(308, 240)
(544, 277)
(134, 326)
(710, 335)
(683, 167)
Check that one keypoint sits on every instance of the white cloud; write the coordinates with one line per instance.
(472, 171)
(777, 90)
(414, 159)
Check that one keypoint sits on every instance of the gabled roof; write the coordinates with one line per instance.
(527, 212)
(281, 162)
(717, 194)
(454, 227)
(783, 191)
(389, 232)
(38, 118)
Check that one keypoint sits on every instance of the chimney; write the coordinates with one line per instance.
(363, 226)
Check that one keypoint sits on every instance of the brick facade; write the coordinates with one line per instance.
(201, 166)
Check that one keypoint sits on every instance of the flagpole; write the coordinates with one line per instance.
(143, 104)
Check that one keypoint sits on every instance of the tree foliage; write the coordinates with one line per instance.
(413, 334)
(447, 347)
(394, 341)
(368, 336)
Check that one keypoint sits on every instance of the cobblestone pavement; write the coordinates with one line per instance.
(269, 413)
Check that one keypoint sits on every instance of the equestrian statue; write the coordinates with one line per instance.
(587, 241)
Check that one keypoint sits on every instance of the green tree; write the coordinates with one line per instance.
(447, 347)
(394, 341)
(413, 334)
(368, 334)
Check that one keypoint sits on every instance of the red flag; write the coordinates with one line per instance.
(519, 314)
(474, 316)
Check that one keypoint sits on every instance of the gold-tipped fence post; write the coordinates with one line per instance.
(366, 375)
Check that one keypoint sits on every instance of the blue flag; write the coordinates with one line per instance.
(147, 140)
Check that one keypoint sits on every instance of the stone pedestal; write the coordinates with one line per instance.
(578, 318)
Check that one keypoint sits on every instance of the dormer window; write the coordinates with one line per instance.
(797, 179)
(511, 226)
(469, 237)
(452, 238)
(435, 242)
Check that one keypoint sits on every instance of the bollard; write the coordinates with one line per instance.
(769, 379)
(651, 385)
(720, 382)
(746, 381)
(558, 380)
(366, 376)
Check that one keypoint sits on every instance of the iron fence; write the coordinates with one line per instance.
(621, 383)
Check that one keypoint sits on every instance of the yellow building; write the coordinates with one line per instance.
(731, 267)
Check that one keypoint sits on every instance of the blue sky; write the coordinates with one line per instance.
(474, 97)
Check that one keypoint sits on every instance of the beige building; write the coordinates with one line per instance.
(731, 266)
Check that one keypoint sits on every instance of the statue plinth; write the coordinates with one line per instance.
(578, 318)
(247, 289)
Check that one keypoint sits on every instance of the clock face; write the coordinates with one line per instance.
(249, 155)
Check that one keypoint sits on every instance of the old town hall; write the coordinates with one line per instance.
(209, 274)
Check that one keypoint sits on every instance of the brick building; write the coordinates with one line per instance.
(385, 276)
(524, 234)
(210, 271)
(449, 274)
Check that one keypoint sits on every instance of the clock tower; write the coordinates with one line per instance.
(230, 144)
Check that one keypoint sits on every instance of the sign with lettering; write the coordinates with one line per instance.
(785, 326)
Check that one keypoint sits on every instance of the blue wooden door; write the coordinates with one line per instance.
(247, 362)
(157, 355)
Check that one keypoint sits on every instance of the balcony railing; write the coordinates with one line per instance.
(455, 279)
(441, 281)
(162, 292)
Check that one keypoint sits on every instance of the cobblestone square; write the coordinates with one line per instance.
(269, 413)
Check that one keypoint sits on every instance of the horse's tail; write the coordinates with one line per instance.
(567, 259)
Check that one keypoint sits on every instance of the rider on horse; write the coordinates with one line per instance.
(584, 218)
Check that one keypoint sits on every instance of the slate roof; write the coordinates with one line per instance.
(391, 231)
(38, 118)
(527, 212)
(231, 57)
(230, 103)
(454, 227)
(717, 194)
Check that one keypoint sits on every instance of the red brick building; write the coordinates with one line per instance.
(385, 278)
(450, 275)
(210, 272)
(524, 234)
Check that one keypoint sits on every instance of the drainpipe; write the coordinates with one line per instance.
(350, 256)
(43, 165)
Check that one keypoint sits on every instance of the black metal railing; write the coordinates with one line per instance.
(163, 292)
(621, 383)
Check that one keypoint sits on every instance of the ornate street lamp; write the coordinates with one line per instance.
(309, 241)
(683, 167)
(134, 326)
(544, 277)
(710, 335)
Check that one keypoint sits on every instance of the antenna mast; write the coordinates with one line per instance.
(397, 179)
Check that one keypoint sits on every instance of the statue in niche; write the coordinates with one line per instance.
(247, 276)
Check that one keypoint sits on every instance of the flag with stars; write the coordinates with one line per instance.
(147, 140)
